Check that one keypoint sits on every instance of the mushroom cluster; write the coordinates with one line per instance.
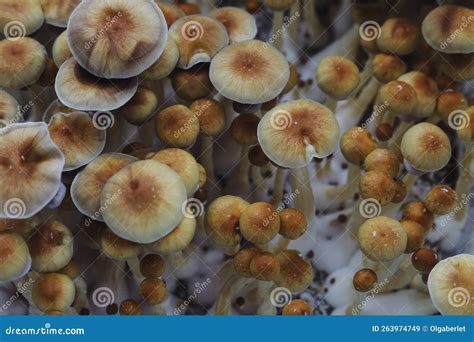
(193, 158)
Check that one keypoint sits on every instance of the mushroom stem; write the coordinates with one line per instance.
(80, 301)
(464, 182)
(300, 183)
(277, 29)
(134, 266)
(344, 192)
(397, 136)
(177, 259)
(259, 183)
(312, 17)
(207, 149)
(234, 283)
(293, 29)
(278, 186)
(266, 308)
(280, 245)
(365, 76)
(241, 171)
(331, 103)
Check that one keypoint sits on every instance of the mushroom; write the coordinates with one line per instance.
(130, 307)
(449, 28)
(297, 307)
(112, 40)
(60, 50)
(259, 223)
(459, 67)
(177, 125)
(293, 224)
(87, 186)
(424, 259)
(295, 273)
(249, 72)
(364, 280)
(79, 89)
(153, 292)
(15, 260)
(77, 137)
(9, 108)
(20, 18)
(265, 266)
(399, 36)
(240, 24)
(152, 266)
(171, 12)
(451, 286)
(426, 93)
(198, 38)
(143, 201)
(57, 12)
(192, 84)
(23, 62)
(53, 291)
(165, 64)
(441, 199)
(30, 169)
(278, 7)
(140, 107)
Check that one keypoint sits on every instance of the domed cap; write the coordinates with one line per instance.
(165, 64)
(292, 133)
(88, 184)
(57, 12)
(15, 259)
(79, 89)
(426, 147)
(296, 274)
(77, 137)
(171, 12)
(451, 285)
(399, 96)
(249, 72)
(30, 169)
(112, 39)
(9, 110)
(198, 38)
(449, 28)
(20, 18)
(60, 50)
(240, 24)
(398, 36)
(426, 92)
(143, 201)
(178, 239)
(337, 76)
(53, 291)
(23, 62)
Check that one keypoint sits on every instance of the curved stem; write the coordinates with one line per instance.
(278, 186)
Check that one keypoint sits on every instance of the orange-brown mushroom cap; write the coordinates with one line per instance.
(240, 24)
(20, 18)
(294, 132)
(337, 76)
(57, 12)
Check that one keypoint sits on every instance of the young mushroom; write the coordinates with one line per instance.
(9, 111)
(15, 260)
(240, 24)
(259, 223)
(177, 126)
(60, 50)
(28, 12)
(295, 273)
(297, 307)
(57, 12)
(399, 36)
(53, 291)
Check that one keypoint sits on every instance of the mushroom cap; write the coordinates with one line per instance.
(189, 8)
(426, 147)
(15, 258)
(426, 92)
(265, 266)
(259, 222)
(23, 62)
(9, 110)
(55, 107)
(451, 285)
(177, 125)
(242, 259)
(222, 220)
(79, 89)
(165, 64)
(153, 291)
(143, 201)
(171, 12)
(51, 247)
(77, 137)
(140, 107)
(459, 67)
(387, 67)
(382, 238)
(184, 164)
(292, 133)
(384, 160)
(193, 83)
(399, 96)
(53, 291)
(178, 239)
(117, 248)
(415, 235)
(240, 24)
(199, 38)
(30, 169)
(293, 223)
(20, 18)
(466, 130)
(249, 72)
(418, 211)
(87, 186)
(60, 50)
(243, 129)
(377, 185)
(364, 280)
(441, 199)
(398, 36)
(449, 101)
(211, 116)
(111, 38)
(297, 307)
(152, 266)
(356, 144)
(449, 28)
(337, 76)
(57, 12)
(296, 274)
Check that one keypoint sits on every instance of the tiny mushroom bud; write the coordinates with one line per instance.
(424, 259)
(451, 285)
(178, 239)
(259, 223)
(53, 291)
(364, 280)
(418, 212)
(130, 307)
(265, 266)
(15, 259)
(242, 260)
(211, 116)
(382, 238)
(296, 274)
(440, 200)
(177, 125)
(398, 36)
(415, 235)
(152, 266)
(153, 291)
(244, 129)
(377, 185)
(240, 24)
(297, 307)
(293, 223)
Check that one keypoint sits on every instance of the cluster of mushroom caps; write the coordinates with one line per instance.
(107, 74)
